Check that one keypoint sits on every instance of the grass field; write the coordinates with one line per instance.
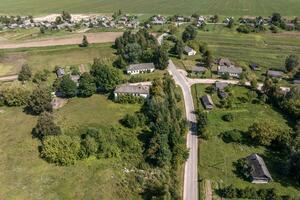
(49, 57)
(221, 7)
(216, 157)
(26, 176)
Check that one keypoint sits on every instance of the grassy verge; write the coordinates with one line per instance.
(216, 157)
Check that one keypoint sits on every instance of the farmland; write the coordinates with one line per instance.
(216, 157)
(227, 7)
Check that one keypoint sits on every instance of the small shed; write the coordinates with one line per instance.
(189, 51)
(254, 67)
(207, 102)
(275, 74)
(296, 81)
(258, 169)
(60, 72)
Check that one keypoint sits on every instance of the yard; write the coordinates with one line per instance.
(208, 7)
(26, 176)
(216, 157)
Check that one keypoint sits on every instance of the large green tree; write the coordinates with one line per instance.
(40, 100)
(161, 58)
(25, 73)
(67, 87)
(87, 86)
(291, 62)
(46, 126)
(189, 33)
(106, 77)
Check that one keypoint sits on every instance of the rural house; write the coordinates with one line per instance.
(140, 68)
(60, 72)
(275, 74)
(189, 51)
(224, 62)
(232, 71)
(219, 86)
(132, 89)
(296, 81)
(198, 70)
(207, 102)
(258, 169)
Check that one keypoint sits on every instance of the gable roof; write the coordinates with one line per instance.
(133, 89)
(188, 49)
(274, 73)
(224, 62)
(207, 101)
(230, 70)
(199, 69)
(258, 167)
(141, 66)
(221, 85)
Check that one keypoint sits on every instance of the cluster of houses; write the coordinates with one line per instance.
(51, 22)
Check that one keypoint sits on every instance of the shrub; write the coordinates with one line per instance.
(232, 136)
(46, 126)
(15, 95)
(244, 29)
(133, 121)
(228, 117)
(40, 100)
(61, 150)
(129, 99)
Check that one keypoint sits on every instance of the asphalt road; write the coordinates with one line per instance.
(190, 191)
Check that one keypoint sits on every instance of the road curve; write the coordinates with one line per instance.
(190, 190)
(72, 39)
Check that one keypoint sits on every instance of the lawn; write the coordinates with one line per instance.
(26, 176)
(221, 7)
(216, 157)
(49, 57)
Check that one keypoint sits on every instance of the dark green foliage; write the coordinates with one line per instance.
(232, 136)
(291, 62)
(15, 95)
(133, 121)
(276, 19)
(179, 48)
(40, 100)
(128, 98)
(106, 77)
(85, 42)
(75, 70)
(41, 76)
(89, 146)
(202, 122)
(189, 33)
(25, 73)
(225, 76)
(244, 29)
(243, 169)
(228, 117)
(120, 63)
(161, 58)
(66, 16)
(207, 58)
(46, 126)
(67, 87)
(87, 86)
(61, 150)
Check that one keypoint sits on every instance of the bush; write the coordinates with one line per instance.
(40, 100)
(244, 29)
(228, 117)
(133, 121)
(46, 126)
(232, 136)
(129, 99)
(61, 150)
(15, 95)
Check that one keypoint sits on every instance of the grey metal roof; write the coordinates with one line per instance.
(60, 72)
(133, 89)
(274, 73)
(188, 49)
(141, 66)
(296, 81)
(231, 70)
(258, 167)
(199, 69)
(221, 85)
(207, 101)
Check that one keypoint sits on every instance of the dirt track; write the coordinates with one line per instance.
(69, 40)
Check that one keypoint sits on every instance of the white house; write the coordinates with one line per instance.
(132, 89)
(189, 51)
(140, 68)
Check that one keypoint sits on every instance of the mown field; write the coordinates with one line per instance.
(26, 176)
(216, 157)
(221, 7)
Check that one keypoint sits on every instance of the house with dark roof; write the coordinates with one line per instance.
(254, 66)
(224, 62)
(189, 51)
(258, 169)
(60, 72)
(198, 70)
(207, 102)
(220, 86)
(132, 89)
(275, 74)
(140, 68)
(296, 81)
(232, 71)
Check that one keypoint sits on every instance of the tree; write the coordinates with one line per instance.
(291, 62)
(41, 76)
(179, 48)
(254, 84)
(276, 19)
(89, 146)
(61, 149)
(161, 58)
(106, 77)
(189, 33)
(67, 87)
(85, 42)
(215, 19)
(208, 59)
(87, 86)
(15, 94)
(25, 73)
(58, 20)
(46, 126)
(120, 63)
(66, 16)
(40, 100)
(133, 52)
